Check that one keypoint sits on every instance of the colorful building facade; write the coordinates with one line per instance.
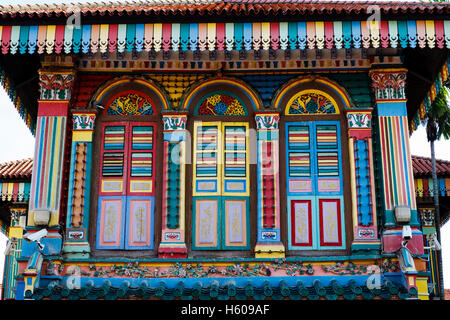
(181, 156)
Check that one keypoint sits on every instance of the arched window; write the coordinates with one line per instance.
(220, 122)
(314, 136)
(128, 160)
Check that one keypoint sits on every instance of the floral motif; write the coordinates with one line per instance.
(56, 86)
(389, 85)
(130, 105)
(311, 103)
(178, 270)
(221, 105)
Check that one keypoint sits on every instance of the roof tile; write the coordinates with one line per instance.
(16, 169)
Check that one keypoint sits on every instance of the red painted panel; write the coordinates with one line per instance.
(112, 37)
(439, 32)
(330, 223)
(166, 33)
(6, 37)
(268, 184)
(53, 108)
(329, 34)
(308, 223)
(274, 35)
(59, 38)
(384, 34)
(220, 35)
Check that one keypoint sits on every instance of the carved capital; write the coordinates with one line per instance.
(174, 121)
(56, 84)
(267, 120)
(83, 120)
(389, 84)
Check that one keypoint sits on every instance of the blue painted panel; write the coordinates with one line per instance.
(86, 38)
(193, 36)
(131, 32)
(32, 39)
(402, 33)
(150, 232)
(122, 226)
(23, 38)
(412, 33)
(292, 34)
(184, 36)
(356, 34)
(239, 190)
(140, 30)
(347, 31)
(76, 40)
(363, 183)
(238, 35)
(301, 31)
(391, 109)
(248, 33)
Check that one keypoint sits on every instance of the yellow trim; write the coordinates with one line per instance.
(247, 160)
(82, 135)
(53, 101)
(269, 251)
(422, 288)
(112, 180)
(219, 157)
(16, 232)
(149, 182)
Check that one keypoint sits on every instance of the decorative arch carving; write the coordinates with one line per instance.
(221, 96)
(131, 96)
(311, 96)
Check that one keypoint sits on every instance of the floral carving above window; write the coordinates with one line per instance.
(311, 102)
(130, 104)
(221, 105)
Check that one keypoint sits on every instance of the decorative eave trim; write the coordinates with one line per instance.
(121, 38)
(436, 87)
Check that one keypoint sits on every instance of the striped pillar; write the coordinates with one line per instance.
(173, 240)
(397, 175)
(46, 183)
(268, 244)
(76, 243)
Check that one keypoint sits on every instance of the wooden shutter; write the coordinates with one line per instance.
(314, 185)
(112, 186)
(127, 186)
(221, 186)
(207, 185)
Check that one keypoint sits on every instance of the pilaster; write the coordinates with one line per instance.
(268, 243)
(76, 243)
(46, 184)
(399, 201)
(173, 243)
(365, 232)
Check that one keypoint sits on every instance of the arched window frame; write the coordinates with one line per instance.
(309, 198)
(134, 198)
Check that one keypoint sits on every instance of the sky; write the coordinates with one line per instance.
(16, 142)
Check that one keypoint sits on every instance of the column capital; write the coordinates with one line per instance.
(389, 84)
(359, 123)
(83, 124)
(174, 121)
(56, 83)
(267, 120)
